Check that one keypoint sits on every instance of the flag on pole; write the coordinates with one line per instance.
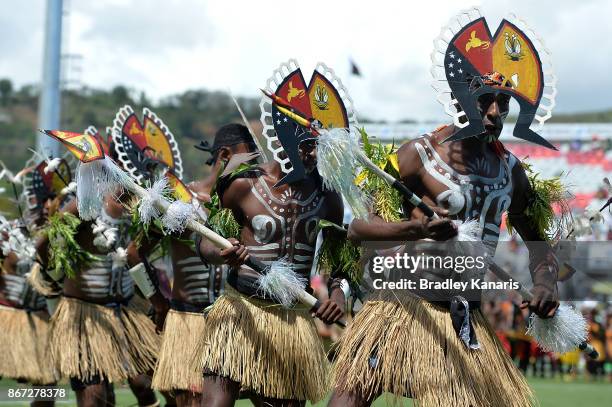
(97, 174)
(354, 68)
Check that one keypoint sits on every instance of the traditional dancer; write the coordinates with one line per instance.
(145, 149)
(24, 318)
(409, 346)
(99, 334)
(250, 342)
(195, 285)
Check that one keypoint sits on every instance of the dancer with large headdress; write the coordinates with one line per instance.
(251, 342)
(195, 285)
(101, 333)
(444, 352)
(24, 315)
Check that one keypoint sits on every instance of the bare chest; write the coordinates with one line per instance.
(481, 191)
(283, 224)
(194, 281)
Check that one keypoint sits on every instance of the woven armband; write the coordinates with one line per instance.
(141, 278)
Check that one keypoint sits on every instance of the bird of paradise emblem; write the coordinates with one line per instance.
(294, 92)
(513, 46)
(475, 42)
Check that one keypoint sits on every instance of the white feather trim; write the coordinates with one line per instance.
(281, 283)
(176, 217)
(147, 208)
(119, 258)
(94, 181)
(561, 333)
(336, 163)
(52, 165)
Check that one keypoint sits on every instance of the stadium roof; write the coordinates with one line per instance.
(552, 131)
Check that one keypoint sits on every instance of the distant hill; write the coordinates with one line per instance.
(192, 116)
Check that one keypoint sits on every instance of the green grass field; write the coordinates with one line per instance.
(550, 393)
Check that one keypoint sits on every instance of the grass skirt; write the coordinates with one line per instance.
(419, 355)
(89, 339)
(271, 351)
(174, 370)
(23, 346)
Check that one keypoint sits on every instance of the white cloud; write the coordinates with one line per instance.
(21, 37)
(168, 46)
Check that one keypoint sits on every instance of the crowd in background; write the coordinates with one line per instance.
(510, 323)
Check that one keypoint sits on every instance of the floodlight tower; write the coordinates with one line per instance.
(49, 103)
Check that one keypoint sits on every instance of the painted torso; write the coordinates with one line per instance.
(481, 190)
(281, 223)
(484, 194)
(15, 290)
(104, 280)
(19, 253)
(194, 282)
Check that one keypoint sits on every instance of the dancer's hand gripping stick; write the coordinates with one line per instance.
(564, 332)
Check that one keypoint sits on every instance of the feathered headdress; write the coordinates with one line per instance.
(106, 141)
(46, 180)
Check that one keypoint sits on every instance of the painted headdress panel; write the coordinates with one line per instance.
(141, 144)
(323, 99)
(469, 61)
(42, 183)
(104, 140)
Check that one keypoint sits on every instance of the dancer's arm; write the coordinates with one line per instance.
(332, 309)
(232, 199)
(376, 229)
(542, 262)
(419, 227)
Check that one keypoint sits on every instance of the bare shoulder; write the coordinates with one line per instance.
(200, 189)
(408, 149)
(198, 186)
(235, 192)
(408, 159)
(334, 207)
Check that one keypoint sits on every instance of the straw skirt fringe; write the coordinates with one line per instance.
(174, 370)
(269, 350)
(89, 339)
(411, 349)
(23, 344)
